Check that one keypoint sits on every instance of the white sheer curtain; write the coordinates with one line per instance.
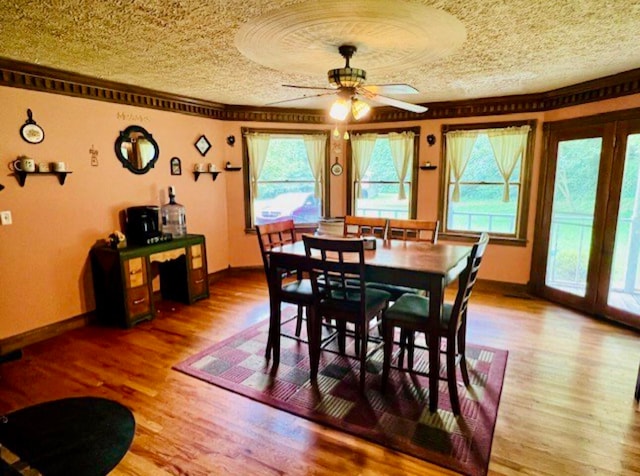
(508, 146)
(316, 146)
(361, 150)
(401, 145)
(257, 146)
(459, 147)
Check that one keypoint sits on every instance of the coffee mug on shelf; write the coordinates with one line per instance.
(24, 164)
(44, 167)
(213, 168)
(59, 166)
(199, 167)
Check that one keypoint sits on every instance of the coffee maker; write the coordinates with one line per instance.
(141, 225)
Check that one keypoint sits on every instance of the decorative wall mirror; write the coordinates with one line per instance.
(136, 149)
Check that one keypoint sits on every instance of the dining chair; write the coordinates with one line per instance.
(297, 290)
(413, 230)
(337, 270)
(410, 313)
(407, 230)
(365, 226)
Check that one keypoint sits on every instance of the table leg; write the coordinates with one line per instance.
(314, 336)
(273, 339)
(435, 312)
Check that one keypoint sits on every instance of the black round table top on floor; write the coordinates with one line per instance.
(82, 436)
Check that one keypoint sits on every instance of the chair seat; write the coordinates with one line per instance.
(375, 301)
(396, 291)
(298, 290)
(413, 309)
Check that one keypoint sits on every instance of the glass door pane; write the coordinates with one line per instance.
(624, 284)
(572, 215)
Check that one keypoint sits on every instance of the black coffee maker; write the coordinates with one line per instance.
(141, 225)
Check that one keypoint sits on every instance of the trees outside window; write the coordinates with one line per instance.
(375, 167)
(285, 176)
(486, 177)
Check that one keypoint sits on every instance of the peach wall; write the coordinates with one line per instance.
(44, 271)
(244, 249)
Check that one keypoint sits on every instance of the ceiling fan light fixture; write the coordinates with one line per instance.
(359, 109)
(340, 109)
(346, 77)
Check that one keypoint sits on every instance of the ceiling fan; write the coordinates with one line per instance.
(348, 84)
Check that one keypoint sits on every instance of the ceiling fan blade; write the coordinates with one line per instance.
(407, 106)
(301, 98)
(308, 87)
(391, 89)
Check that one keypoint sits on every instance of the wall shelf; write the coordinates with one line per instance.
(230, 168)
(214, 175)
(22, 176)
(428, 167)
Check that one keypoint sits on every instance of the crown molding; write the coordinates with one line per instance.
(41, 78)
(18, 74)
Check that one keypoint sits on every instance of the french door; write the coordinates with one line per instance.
(587, 246)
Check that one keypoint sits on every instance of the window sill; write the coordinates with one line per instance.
(493, 239)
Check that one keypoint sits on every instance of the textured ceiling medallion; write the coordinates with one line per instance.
(390, 36)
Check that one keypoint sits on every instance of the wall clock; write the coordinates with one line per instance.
(336, 168)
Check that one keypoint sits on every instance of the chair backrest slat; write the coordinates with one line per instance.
(365, 226)
(466, 282)
(340, 263)
(274, 235)
(413, 230)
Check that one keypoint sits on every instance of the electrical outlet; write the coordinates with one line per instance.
(5, 218)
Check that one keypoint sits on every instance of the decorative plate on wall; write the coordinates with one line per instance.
(203, 145)
(30, 131)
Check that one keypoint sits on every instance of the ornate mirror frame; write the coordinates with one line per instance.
(137, 156)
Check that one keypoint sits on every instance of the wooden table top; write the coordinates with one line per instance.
(424, 257)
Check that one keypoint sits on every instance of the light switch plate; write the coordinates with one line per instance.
(5, 218)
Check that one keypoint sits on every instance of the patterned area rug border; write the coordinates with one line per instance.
(460, 443)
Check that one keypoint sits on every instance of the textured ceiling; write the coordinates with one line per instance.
(241, 52)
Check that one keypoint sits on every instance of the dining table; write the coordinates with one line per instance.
(416, 264)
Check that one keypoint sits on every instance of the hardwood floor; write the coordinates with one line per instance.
(567, 403)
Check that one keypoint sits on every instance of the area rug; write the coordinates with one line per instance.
(399, 419)
(81, 436)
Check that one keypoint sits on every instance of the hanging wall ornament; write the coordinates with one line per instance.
(336, 168)
(30, 131)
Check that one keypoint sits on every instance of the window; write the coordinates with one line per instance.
(285, 176)
(486, 179)
(382, 173)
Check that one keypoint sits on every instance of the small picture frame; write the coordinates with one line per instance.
(30, 131)
(176, 166)
(203, 145)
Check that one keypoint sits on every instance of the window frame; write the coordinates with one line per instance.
(519, 238)
(326, 197)
(413, 200)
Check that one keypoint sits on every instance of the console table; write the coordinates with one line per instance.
(122, 277)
